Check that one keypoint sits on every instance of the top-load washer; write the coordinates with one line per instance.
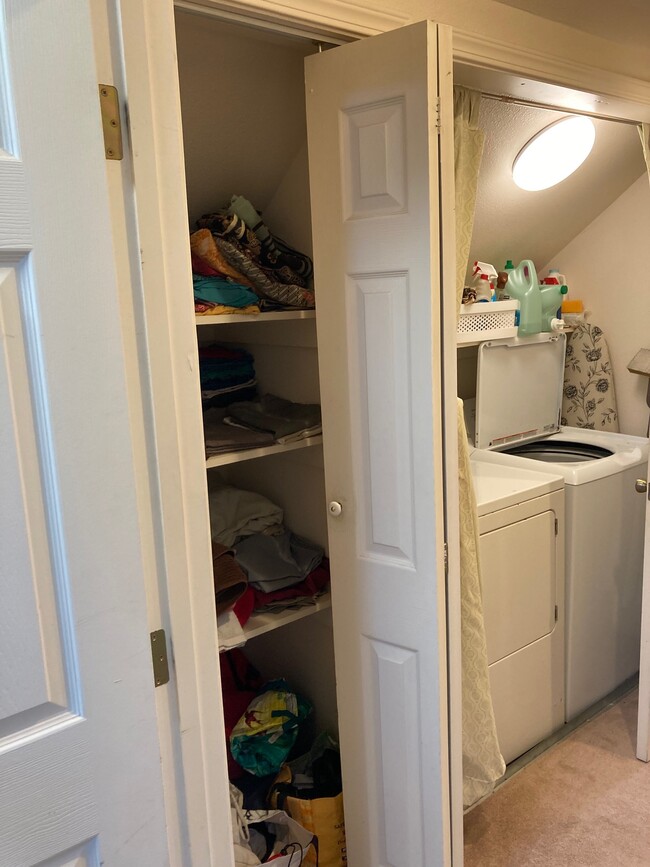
(517, 423)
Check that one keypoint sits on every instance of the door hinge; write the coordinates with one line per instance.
(446, 556)
(557, 527)
(438, 121)
(159, 657)
(556, 613)
(109, 103)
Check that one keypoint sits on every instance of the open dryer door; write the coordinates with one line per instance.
(375, 172)
(643, 729)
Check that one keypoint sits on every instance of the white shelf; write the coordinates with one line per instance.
(248, 454)
(273, 316)
(259, 624)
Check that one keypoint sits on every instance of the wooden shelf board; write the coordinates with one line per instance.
(259, 624)
(273, 316)
(248, 454)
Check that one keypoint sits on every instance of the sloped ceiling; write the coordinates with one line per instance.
(243, 106)
(624, 21)
(511, 223)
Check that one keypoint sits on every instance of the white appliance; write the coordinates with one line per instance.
(521, 521)
(519, 398)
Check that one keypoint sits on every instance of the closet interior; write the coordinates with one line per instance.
(244, 131)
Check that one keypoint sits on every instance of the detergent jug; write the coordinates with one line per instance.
(523, 285)
(552, 297)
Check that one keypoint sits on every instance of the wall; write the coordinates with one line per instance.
(606, 266)
(243, 105)
(493, 20)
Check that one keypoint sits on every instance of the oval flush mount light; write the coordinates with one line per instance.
(554, 153)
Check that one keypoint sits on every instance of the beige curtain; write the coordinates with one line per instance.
(644, 132)
(482, 760)
(468, 150)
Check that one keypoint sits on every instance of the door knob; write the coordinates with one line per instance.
(335, 509)
(641, 486)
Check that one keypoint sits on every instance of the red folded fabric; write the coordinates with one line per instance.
(244, 606)
(313, 584)
(200, 266)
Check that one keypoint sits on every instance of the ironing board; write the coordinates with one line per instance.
(589, 396)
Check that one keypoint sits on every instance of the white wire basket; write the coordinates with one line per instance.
(487, 321)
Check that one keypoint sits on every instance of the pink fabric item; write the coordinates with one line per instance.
(313, 584)
(200, 266)
(244, 606)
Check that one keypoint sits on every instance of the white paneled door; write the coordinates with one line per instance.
(374, 154)
(79, 761)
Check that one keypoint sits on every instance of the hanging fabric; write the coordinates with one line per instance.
(482, 760)
(468, 151)
(644, 132)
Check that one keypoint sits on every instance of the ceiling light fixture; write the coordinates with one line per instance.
(554, 153)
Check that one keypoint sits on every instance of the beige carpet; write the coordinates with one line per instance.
(586, 801)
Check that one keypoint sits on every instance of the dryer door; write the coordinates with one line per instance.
(643, 728)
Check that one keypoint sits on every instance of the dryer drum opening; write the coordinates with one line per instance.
(558, 451)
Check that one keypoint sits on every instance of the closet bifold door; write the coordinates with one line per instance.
(374, 170)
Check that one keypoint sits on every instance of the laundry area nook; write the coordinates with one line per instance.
(556, 426)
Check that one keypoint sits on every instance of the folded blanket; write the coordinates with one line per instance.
(290, 294)
(276, 562)
(230, 582)
(220, 437)
(283, 418)
(235, 513)
(209, 308)
(221, 291)
(203, 245)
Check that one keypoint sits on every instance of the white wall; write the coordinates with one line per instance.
(607, 267)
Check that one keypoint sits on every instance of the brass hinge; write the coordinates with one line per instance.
(109, 102)
(438, 121)
(446, 555)
(159, 657)
(557, 526)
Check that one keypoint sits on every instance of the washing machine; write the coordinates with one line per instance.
(517, 424)
(521, 526)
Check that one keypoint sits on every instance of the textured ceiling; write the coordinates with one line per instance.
(514, 224)
(624, 21)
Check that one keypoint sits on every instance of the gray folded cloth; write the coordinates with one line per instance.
(276, 415)
(220, 437)
(235, 513)
(275, 562)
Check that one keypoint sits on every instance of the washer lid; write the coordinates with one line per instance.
(519, 389)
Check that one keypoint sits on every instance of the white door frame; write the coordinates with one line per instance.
(148, 46)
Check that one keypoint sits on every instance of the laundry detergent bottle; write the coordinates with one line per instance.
(552, 297)
(523, 285)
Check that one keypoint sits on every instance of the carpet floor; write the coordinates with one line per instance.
(586, 801)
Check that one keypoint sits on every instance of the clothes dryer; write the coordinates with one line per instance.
(521, 527)
(517, 423)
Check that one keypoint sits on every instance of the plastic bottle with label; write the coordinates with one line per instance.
(523, 285)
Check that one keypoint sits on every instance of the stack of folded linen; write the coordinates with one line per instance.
(287, 421)
(219, 290)
(283, 569)
(227, 375)
(236, 242)
(221, 438)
